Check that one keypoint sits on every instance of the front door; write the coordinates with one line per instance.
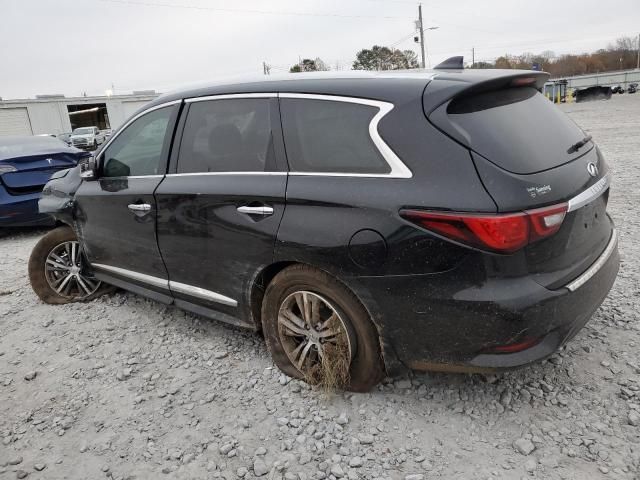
(116, 214)
(219, 211)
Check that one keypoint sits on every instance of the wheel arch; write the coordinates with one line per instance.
(266, 275)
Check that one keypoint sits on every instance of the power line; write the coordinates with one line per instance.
(251, 11)
(411, 35)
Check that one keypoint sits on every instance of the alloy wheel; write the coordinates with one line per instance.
(311, 329)
(64, 271)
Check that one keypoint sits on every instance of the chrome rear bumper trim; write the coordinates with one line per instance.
(590, 194)
(597, 265)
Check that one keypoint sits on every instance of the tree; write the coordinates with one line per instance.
(384, 58)
(308, 65)
(622, 54)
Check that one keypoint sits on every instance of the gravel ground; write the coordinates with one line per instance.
(125, 388)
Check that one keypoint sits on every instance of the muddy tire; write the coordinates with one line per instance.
(307, 312)
(56, 270)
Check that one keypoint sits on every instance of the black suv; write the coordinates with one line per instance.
(447, 220)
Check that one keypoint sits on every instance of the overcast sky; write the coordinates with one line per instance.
(76, 46)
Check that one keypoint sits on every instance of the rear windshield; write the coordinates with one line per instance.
(518, 129)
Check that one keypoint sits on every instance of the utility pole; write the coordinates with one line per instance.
(473, 57)
(421, 26)
(638, 61)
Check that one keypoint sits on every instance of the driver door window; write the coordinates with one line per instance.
(137, 151)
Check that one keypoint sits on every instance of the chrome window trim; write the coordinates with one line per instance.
(595, 266)
(202, 293)
(142, 277)
(590, 194)
(132, 176)
(190, 174)
(398, 168)
(227, 96)
(169, 285)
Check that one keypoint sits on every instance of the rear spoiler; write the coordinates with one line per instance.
(449, 84)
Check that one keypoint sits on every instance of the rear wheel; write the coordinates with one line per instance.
(57, 269)
(318, 331)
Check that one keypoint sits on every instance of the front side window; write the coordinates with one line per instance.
(232, 135)
(138, 149)
(327, 136)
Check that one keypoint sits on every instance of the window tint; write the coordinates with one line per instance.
(330, 136)
(138, 149)
(227, 136)
(518, 129)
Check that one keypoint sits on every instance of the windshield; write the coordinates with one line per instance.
(83, 131)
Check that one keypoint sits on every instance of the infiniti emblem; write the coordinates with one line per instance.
(592, 169)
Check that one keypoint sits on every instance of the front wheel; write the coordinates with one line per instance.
(57, 269)
(317, 330)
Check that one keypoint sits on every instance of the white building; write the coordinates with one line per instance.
(54, 114)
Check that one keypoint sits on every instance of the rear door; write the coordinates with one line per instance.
(116, 214)
(220, 207)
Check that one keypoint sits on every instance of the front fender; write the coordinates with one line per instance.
(58, 195)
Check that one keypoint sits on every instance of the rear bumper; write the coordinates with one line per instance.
(454, 322)
(21, 210)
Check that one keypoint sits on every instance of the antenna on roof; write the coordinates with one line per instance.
(453, 63)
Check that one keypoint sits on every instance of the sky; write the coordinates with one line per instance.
(75, 46)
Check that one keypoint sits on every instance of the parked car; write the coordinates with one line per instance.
(633, 88)
(365, 222)
(592, 93)
(65, 137)
(26, 164)
(87, 138)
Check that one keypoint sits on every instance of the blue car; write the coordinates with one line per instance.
(26, 164)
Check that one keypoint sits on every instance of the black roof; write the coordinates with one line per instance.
(390, 85)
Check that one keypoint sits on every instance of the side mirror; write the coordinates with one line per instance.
(88, 168)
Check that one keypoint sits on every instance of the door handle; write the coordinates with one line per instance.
(139, 207)
(262, 210)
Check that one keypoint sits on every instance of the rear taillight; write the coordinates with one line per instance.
(502, 233)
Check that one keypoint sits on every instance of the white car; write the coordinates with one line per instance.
(87, 137)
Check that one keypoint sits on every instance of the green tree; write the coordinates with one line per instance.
(384, 58)
(309, 65)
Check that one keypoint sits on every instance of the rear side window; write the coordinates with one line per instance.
(326, 136)
(518, 129)
(232, 135)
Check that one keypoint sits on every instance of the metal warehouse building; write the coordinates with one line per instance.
(54, 114)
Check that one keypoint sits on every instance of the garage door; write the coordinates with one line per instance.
(129, 108)
(14, 121)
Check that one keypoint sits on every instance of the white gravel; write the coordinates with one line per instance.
(124, 388)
